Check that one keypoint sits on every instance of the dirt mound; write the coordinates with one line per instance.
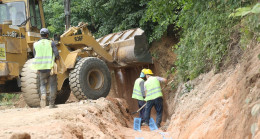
(220, 105)
(97, 119)
(102, 118)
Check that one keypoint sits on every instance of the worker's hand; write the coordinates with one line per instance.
(57, 58)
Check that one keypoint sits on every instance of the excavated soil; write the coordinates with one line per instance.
(105, 118)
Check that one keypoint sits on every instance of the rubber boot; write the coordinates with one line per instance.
(43, 100)
(52, 105)
(52, 102)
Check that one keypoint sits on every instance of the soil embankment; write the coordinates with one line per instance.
(220, 105)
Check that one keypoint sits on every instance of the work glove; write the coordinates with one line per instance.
(54, 69)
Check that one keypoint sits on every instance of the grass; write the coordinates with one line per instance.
(7, 99)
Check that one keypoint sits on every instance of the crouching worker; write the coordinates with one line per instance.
(45, 53)
(153, 97)
(139, 94)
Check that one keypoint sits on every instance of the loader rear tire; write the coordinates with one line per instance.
(30, 82)
(30, 85)
(90, 79)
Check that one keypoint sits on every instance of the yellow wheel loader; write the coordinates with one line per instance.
(87, 61)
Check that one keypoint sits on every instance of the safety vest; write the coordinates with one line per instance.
(137, 94)
(153, 88)
(44, 58)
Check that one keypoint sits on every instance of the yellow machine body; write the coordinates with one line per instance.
(21, 21)
(16, 40)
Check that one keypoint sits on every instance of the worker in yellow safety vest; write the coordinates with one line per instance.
(153, 96)
(139, 94)
(45, 53)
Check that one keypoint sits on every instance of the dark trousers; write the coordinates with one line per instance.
(45, 78)
(142, 111)
(158, 104)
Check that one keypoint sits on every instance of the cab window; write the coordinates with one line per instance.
(12, 11)
(35, 14)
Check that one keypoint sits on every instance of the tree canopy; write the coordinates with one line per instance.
(204, 27)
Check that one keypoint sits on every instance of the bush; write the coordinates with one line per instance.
(205, 35)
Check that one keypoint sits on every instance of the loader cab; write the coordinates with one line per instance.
(22, 13)
(12, 13)
(20, 24)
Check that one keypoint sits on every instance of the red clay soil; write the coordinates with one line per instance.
(220, 105)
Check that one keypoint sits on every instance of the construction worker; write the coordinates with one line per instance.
(139, 94)
(45, 53)
(153, 97)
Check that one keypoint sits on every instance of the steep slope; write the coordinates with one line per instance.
(219, 105)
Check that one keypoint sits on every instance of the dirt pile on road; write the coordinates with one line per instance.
(105, 118)
(220, 105)
(86, 119)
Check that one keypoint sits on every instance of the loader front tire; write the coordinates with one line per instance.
(90, 79)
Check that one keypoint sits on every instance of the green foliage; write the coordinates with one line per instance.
(205, 26)
(155, 55)
(187, 89)
(115, 15)
(250, 23)
(55, 17)
(107, 16)
(246, 10)
(205, 35)
(160, 14)
(174, 85)
(6, 99)
(103, 16)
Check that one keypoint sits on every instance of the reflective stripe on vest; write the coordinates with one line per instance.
(44, 58)
(153, 88)
(137, 94)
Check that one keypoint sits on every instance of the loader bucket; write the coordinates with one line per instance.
(128, 48)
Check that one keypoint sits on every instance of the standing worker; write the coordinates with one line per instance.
(139, 94)
(45, 53)
(153, 97)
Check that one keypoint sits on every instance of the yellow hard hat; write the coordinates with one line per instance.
(148, 71)
(143, 70)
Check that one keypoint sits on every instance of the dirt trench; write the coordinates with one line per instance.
(163, 60)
